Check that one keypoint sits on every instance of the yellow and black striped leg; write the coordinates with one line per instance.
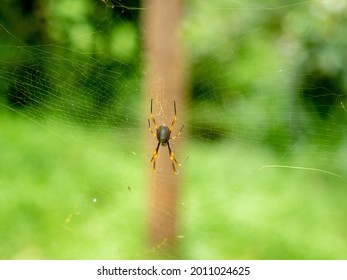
(154, 157)
(173, 160)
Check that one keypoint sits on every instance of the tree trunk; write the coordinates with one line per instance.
(164, 82)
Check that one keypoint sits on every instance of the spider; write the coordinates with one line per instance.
(163, 134)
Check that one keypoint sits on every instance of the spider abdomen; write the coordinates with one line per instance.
(163, 134)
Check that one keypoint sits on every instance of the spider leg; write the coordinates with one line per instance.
(175, 117)
(150, 129)
(155, 156)
(152, 117)
(173, 160)
(178, 134)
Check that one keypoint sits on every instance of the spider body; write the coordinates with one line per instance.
(163, 135)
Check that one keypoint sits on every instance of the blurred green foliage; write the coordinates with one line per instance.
(58, 203)
(290, 53)
(83, 58)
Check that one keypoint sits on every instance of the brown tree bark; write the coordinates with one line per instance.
(165, 83)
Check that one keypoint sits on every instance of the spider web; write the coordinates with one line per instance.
(264, 131)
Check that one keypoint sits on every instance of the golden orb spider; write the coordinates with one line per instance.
(163, 134)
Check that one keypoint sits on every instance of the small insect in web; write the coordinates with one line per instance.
(163, 134)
